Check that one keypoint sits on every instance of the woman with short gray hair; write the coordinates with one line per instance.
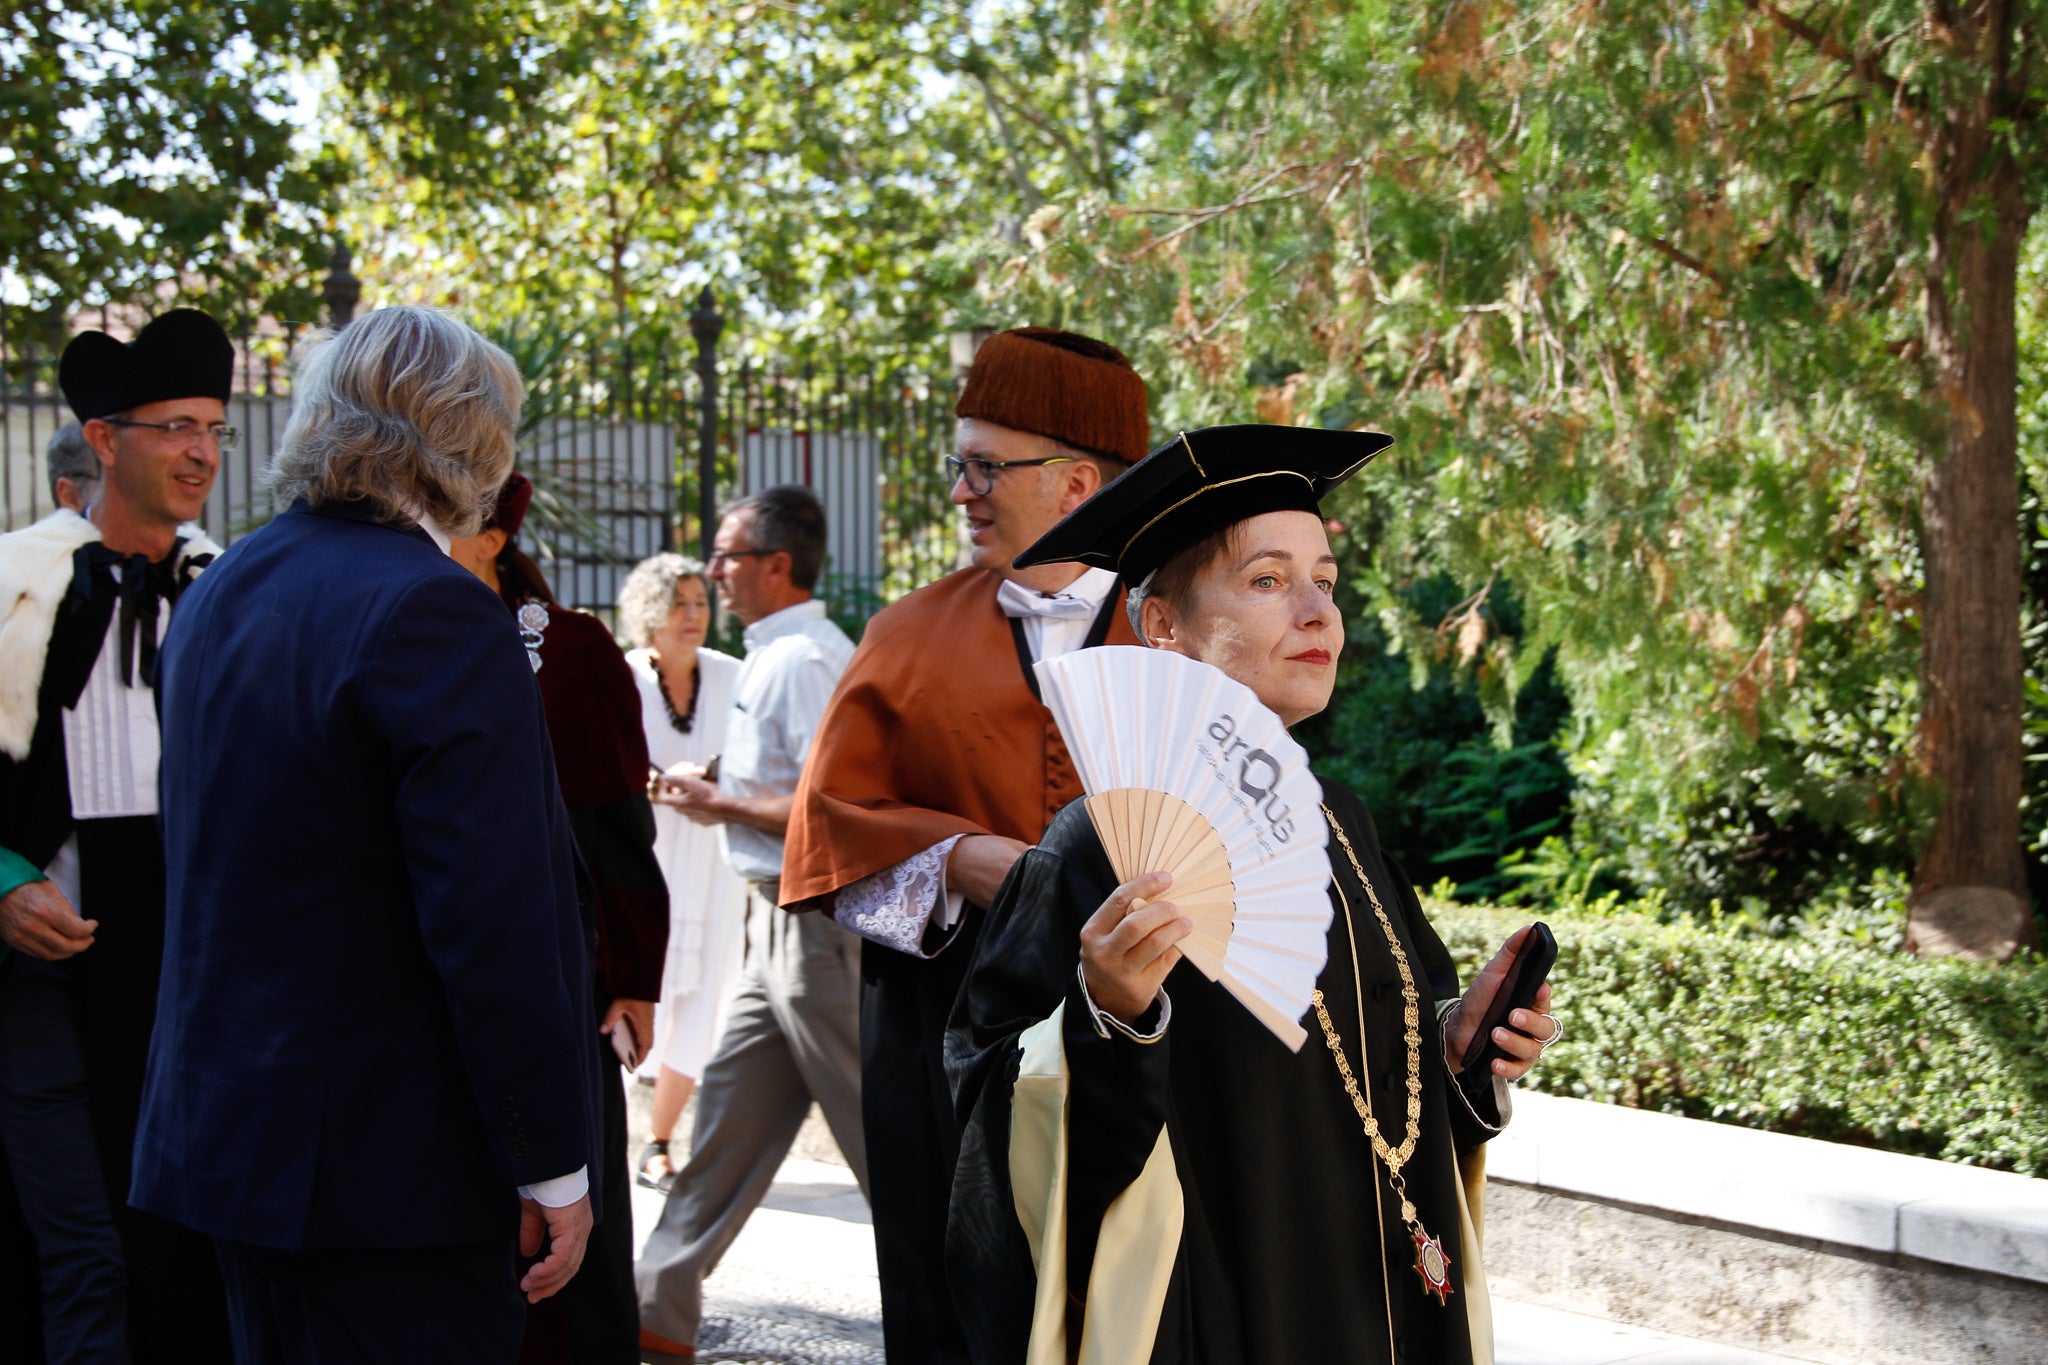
(405, 408)
(685, 696)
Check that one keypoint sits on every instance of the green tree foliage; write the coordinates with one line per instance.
(832, 168)
(1411, 736)
(1643, 289)
(1694, 320)
(2033, 444)
(150, 144)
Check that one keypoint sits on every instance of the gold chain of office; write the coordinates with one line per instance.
(1431, 1263)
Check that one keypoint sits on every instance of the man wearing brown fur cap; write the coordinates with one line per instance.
(936, 766)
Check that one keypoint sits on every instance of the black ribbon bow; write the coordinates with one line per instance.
(140, 589)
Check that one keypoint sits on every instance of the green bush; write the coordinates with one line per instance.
(1814, 1034)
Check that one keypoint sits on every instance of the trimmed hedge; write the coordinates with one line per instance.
(1806, 1035)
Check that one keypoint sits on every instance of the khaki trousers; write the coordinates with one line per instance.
(792, 1036)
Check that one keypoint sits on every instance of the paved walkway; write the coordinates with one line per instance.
(1527, 1335)
(798, 1288)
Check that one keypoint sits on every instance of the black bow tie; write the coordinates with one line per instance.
(142, 586)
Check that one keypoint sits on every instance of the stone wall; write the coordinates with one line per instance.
(1794, 1296)
(1807, 1249)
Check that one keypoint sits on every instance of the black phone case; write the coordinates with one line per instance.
(1532, 964)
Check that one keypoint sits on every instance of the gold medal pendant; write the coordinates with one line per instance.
(1432, 1264)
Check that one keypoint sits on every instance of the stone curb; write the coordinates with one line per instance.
(1884, 1202)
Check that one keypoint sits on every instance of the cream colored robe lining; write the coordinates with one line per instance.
(1141, 1230)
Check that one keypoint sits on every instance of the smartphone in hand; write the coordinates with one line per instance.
(666, 780)
(1532, 964)
(626, 1043)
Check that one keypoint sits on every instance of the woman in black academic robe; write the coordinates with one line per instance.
(1292, 1245)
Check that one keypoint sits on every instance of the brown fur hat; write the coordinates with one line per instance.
(1074, 389)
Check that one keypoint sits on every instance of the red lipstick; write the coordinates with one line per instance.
(1310, 656)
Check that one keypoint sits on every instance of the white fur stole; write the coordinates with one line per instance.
(35, 573)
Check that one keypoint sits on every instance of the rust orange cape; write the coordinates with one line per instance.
(934, 732)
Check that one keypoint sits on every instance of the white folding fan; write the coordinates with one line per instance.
(1187, 772)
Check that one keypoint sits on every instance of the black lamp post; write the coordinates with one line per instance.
(341, 288)
(706, 323)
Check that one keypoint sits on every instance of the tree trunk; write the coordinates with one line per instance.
(1970, 893)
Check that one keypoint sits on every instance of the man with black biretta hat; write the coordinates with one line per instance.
(936, 767)
(87, 599)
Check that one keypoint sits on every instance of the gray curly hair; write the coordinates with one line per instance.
(649, 594)
(408, 408)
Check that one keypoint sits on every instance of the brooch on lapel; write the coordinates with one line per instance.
(533, 621)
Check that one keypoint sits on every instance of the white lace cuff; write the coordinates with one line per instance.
(895, 906)
(1105, 1022)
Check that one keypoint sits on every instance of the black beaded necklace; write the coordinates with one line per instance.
(686, 719)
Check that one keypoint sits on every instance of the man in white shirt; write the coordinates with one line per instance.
(793, 1034)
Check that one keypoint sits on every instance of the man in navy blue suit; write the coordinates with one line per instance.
(371, 1077)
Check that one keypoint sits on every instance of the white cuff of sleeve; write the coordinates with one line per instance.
(1105, 1022)
(560, 1192)
(1503, 1093)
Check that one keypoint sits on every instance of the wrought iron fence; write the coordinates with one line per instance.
(871, 444)
(602, 437)
(30, 414)
(630, 453)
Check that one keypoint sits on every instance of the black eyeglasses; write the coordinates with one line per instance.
(223, 437)
(717, 555)
(981, 474)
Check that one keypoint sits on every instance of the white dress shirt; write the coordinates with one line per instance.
(794, 660)
(1057, 623)
(112, 750)
(112, 745)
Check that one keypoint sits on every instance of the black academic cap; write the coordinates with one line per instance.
(179, 354)
(1197, 484)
